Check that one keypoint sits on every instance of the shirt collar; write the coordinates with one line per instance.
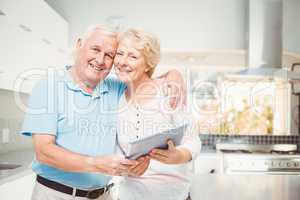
(100, 89)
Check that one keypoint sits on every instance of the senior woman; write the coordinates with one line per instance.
(144, 111)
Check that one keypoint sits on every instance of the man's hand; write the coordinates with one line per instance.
(174, 87)
(141, 167)
(114, 165)
(49, 153)
(172, 155)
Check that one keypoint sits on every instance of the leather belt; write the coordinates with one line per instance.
(90, 194)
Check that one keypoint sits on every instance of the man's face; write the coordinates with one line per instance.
(95, 56)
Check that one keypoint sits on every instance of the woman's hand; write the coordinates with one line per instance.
(141, 167)
(172, 155)
(174, 86)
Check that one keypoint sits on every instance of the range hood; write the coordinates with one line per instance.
(264, 55)
(270, 72)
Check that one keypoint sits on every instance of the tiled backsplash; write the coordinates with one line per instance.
(11, 118)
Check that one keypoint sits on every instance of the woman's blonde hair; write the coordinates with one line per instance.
(147, 43)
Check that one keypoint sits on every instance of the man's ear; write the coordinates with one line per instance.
(78, 43)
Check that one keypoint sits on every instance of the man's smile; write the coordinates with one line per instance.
(97, 68)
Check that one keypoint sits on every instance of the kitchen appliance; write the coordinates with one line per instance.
(247, 172)
(260, 159)
(257, 148)
(255, 101)
(258, 100)
(273, 164)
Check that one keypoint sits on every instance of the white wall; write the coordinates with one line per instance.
(11, 117)
(291, 26)
(189, 24)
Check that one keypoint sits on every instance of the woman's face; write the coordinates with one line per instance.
(129, 62)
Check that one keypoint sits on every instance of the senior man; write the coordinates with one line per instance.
(72, 120)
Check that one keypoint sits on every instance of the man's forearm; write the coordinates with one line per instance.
(57, 157)
(49, 153)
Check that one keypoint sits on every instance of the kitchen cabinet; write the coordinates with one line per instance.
(31, 38)
(208, 163)
(39, 17)
(207, 167)
(15, 50)
(20, 188)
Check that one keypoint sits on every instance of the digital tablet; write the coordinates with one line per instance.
(144, 146)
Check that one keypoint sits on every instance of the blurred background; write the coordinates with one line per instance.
(210, 41)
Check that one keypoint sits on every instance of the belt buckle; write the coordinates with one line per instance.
(94, 194)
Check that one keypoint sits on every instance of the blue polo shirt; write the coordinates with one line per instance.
(81, 122)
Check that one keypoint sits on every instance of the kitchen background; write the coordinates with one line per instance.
(207, 40)
(204, 39)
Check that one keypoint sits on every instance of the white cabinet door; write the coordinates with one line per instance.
(209, 163)
(17, 50)
(32, 36)
(50, 25)
(18, 189)
(39, 17)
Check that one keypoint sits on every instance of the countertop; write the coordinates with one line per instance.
(22, 157)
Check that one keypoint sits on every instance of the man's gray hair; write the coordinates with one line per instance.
(107, 31)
